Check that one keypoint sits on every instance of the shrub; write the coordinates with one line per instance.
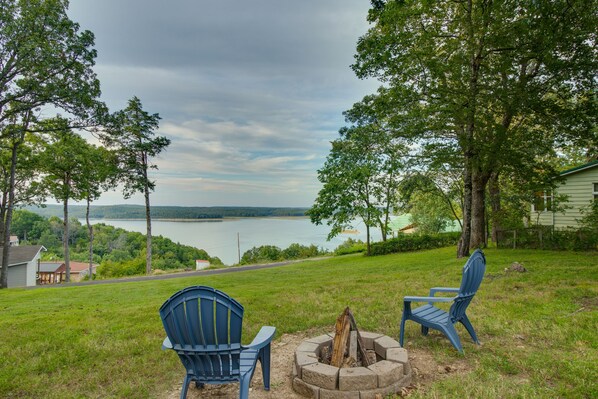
(350, 246)
(119, 269)
(263, 254)
(298, 251)
(546, 237)
(414, 242)
(589, 214)
(271, 253)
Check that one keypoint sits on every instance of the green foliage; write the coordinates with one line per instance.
(489, 87)
(131, 133)
(297, 251)
(133, 267)
(350, 246)
(360, 179)
(414, 242)
(271, 253)
(50, 240)
(46, 60)
(548, 238)
(27, 225)
(26, 186)
(589, 213)
(262, 254)
(429, 212)
(432, 198)
(62, 160)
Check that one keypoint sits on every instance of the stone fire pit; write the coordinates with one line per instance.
(314, 379)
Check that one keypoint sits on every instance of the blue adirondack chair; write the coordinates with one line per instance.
(203, 326)
(430, 316)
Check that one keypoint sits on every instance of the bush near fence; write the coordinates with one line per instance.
(414, 242)
(547, 237)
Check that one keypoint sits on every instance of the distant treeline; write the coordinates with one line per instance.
(166, 212)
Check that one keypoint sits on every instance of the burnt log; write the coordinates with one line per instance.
(345, 323)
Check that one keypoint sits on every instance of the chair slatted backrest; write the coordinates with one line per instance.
(204, 325)
(473, 273)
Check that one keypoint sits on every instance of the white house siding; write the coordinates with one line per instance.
(17, 276)
(23, 261)
(579, 188)
(32, 272)
(545, 218)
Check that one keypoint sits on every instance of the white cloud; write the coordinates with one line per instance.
(250, 94)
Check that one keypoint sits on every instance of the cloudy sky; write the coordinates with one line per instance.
(250, 92)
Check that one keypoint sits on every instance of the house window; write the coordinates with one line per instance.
(596, 191)
(542, 201)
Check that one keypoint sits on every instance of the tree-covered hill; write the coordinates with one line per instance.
(166, 212)
(119, 252)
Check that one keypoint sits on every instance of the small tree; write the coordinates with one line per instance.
(99, 172)
(63, 161)
(132, 134)
(360, 181)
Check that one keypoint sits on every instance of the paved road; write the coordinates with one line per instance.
(194, 273)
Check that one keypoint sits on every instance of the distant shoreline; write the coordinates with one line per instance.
(206, 220)
(170, 213)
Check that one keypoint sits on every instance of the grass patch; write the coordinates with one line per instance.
(538, 328)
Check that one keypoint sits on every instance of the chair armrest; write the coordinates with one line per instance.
(427, 299)
(262, 338)
(166, 344)
(434, 290)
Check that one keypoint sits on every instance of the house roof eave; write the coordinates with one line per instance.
(579, 168)
(21, 262)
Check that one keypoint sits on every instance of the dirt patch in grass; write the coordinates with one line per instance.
(425, 371)
(587, 304)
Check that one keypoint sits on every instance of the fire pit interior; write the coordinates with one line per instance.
(349, 364)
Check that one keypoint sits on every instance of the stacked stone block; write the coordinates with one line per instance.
(317, 380)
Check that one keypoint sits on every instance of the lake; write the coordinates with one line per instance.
(219, 238)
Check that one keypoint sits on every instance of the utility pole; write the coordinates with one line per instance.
(239, 248)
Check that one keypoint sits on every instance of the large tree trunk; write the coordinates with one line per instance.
(475, 53)
(494, 191)
(148, 219)
(65, 240)
(3, 205)
(383, 223)
(463, 246)
(90, 229)
(367, 230)
(478, 210)
(387, 208)
(7, 217)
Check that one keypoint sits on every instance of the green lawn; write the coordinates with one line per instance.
(539, 329)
